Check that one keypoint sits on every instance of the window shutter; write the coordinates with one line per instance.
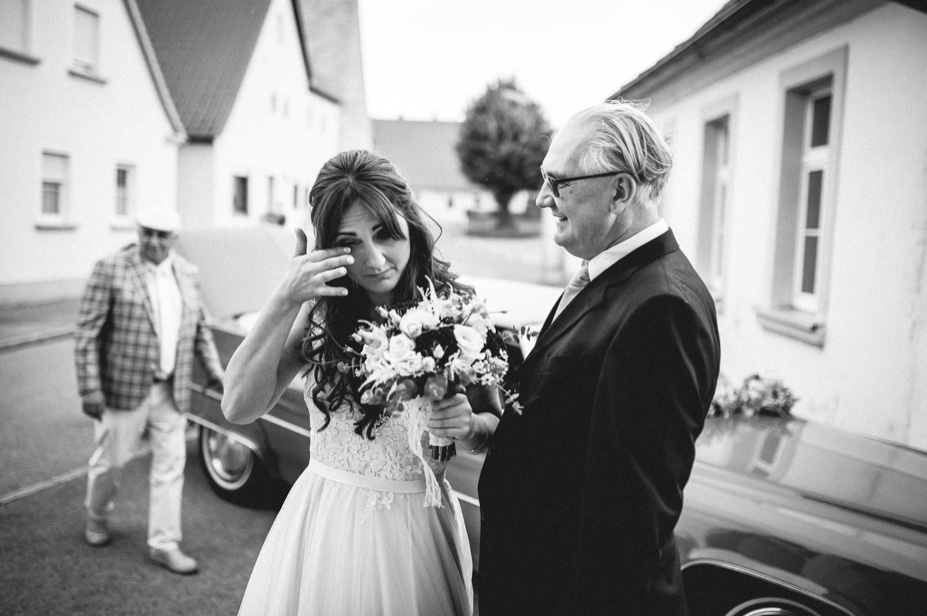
(54, 168)
(13, 24)
(86, 33)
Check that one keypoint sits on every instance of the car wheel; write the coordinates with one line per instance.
(235, 472)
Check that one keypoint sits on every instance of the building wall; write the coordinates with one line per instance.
(97, 125)
(333, 32)
(870, 373)
(196, 184)
(277, 128)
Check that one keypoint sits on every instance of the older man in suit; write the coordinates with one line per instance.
(139, 326)
(580, 493)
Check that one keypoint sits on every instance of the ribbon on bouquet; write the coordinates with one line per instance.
(418, 412)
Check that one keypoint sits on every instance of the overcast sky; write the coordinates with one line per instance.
(428, 59)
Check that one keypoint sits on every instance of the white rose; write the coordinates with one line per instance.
(410, 365)
(411, 324)
(469, 341)
(400, 347)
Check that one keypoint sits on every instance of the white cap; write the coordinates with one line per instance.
(159, 219)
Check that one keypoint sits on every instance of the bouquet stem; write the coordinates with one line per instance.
(443, 453)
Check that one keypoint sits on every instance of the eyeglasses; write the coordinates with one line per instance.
(163, 235)
(555, 183)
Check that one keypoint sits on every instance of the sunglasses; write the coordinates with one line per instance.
(163, 235)
(555, 183)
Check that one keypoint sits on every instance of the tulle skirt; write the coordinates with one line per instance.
(353, 545)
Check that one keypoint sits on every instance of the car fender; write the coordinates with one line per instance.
(248, 435)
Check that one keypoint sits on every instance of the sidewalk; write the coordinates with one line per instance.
(31, 324)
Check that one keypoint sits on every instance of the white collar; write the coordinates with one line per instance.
(165, 266)
(613, 254)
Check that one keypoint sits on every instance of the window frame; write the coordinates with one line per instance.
(271, 194)
(131, 193)
(714, 217)
(240, 180)
(801, 319)
(815, 159)
(59, 219)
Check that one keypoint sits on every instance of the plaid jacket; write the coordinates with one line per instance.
(116, 348)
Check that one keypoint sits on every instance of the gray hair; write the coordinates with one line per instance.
(625, 139)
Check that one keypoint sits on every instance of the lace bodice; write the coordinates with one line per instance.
(387, 456)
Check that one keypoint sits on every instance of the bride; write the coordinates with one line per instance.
(354, 536)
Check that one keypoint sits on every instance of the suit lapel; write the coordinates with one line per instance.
(141, 283)
(184, 283)
(594, 294)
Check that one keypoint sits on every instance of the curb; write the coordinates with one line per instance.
(36, 338)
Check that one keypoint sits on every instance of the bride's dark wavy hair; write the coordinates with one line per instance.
(361, 177)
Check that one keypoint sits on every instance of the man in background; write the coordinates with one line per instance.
(139, 326)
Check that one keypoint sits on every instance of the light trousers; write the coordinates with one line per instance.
(118, 437)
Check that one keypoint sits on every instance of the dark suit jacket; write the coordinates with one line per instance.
(580, 493)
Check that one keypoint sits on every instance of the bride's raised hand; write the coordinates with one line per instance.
(309, 273)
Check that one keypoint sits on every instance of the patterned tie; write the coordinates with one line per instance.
(577, 283)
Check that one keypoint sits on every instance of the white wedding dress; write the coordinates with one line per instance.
(354, 536)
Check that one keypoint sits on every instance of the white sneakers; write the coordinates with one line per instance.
(174, 560)
(96, 533)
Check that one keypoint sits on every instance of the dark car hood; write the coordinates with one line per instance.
(239, 266)
(824, 464)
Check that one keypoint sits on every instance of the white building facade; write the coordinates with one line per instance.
(89, 136)
(276, 137)
(799, 190)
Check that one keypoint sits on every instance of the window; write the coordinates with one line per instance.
(815, 157)
(15, 25)
(125, 190)
(716, 180)
(240, 195)
(270, 193)
(86, 40)
(54, 187)
(812, 106)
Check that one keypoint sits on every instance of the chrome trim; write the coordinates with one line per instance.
(266, 417)
(467, 499)
(209, 393)
(285, 424)
(720, 564)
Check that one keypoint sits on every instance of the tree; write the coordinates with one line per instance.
(503, 141)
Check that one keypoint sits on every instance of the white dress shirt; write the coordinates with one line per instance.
(167, 305)
(613, 254)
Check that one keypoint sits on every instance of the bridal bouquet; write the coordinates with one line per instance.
(423, 353)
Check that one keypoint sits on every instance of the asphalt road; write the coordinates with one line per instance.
(45, 568)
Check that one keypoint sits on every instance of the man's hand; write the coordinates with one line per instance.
(93, 404)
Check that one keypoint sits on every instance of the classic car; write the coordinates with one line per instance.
(782, 516)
